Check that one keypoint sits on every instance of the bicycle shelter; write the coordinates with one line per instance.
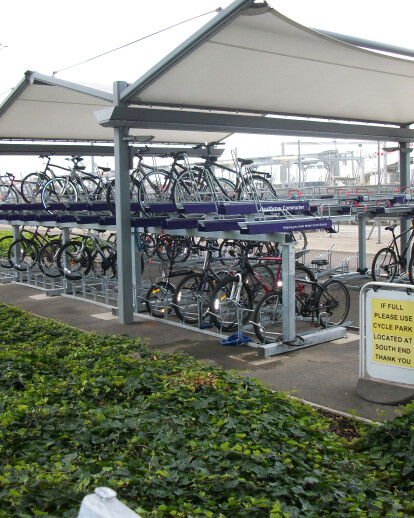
(268, 97)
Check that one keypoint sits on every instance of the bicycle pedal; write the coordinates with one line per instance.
(205, 326)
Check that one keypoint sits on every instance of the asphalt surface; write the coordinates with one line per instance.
(324, 374)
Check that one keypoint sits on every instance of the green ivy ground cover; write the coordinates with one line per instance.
(174, 438)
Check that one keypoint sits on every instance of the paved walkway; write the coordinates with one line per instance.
(324, 374)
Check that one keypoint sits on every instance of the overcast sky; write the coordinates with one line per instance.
(50, 35)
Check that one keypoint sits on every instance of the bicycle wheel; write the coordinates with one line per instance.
(74, 260)
(192, 296)
(178, 249)
(154, 187)
(162, 244)
(58, 189)
(47, 259)
(305, 290)
(110, 193)
(264, 188)
(32, 186)
(267, 317)
(385, 265)
(231, 248)
(23, 254)
(148, 244)
(300, 239)
(226, 190)
(5, 243)
(8, 194)
(411, 269)
(159, 299)
(104, 262)
(192, 187)
(332, 303)
(230, 302)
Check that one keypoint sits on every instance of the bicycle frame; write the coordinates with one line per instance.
(401, 257)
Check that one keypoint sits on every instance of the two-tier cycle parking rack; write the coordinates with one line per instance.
(226, 220)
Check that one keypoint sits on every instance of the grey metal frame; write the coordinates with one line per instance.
(159, 118)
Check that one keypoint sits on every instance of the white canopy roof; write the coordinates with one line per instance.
(249, 59)
(46, 108)
(263, 62)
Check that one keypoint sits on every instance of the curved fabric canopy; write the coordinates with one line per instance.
(46, 108)
(260, 61)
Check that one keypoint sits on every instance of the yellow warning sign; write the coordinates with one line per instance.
(393, 332)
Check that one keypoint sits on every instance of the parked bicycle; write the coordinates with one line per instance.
(235, 296)
(78, 185)
(159, 297)
(9, 191)
(390, 262)
(33, 248)
(192, 294)
(76, 258)
(201, 183)
(33, 183)
(327, 304)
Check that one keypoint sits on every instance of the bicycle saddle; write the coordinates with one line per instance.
(391, 227)
(104, 169)
(209, 158)
(245, 161)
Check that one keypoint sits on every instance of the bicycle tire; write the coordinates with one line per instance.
(148, 244)
(104, 266)
(154, 187)
(267, 317)
(8, 194)
(227, 188)
(31, 187)
(188, 292)
(333, 303)
(411, 269)
(159, 298)
(47, 259)
(300, 238)
(74, 260)
(264, 188)
(5, 243)
(224, 311)
(59, 189)
(110, 194)
(231, 248)
(179, 249)
(385, 265)
(27, 255)
(192, 187)
(162, 243)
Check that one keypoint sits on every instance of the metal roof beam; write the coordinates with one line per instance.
(21, 149)
(7, 148)
(230, 123)
(368, 44)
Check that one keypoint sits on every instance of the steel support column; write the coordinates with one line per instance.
(288, 292)
(404, 184)
(362, 237)
(123, 217)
